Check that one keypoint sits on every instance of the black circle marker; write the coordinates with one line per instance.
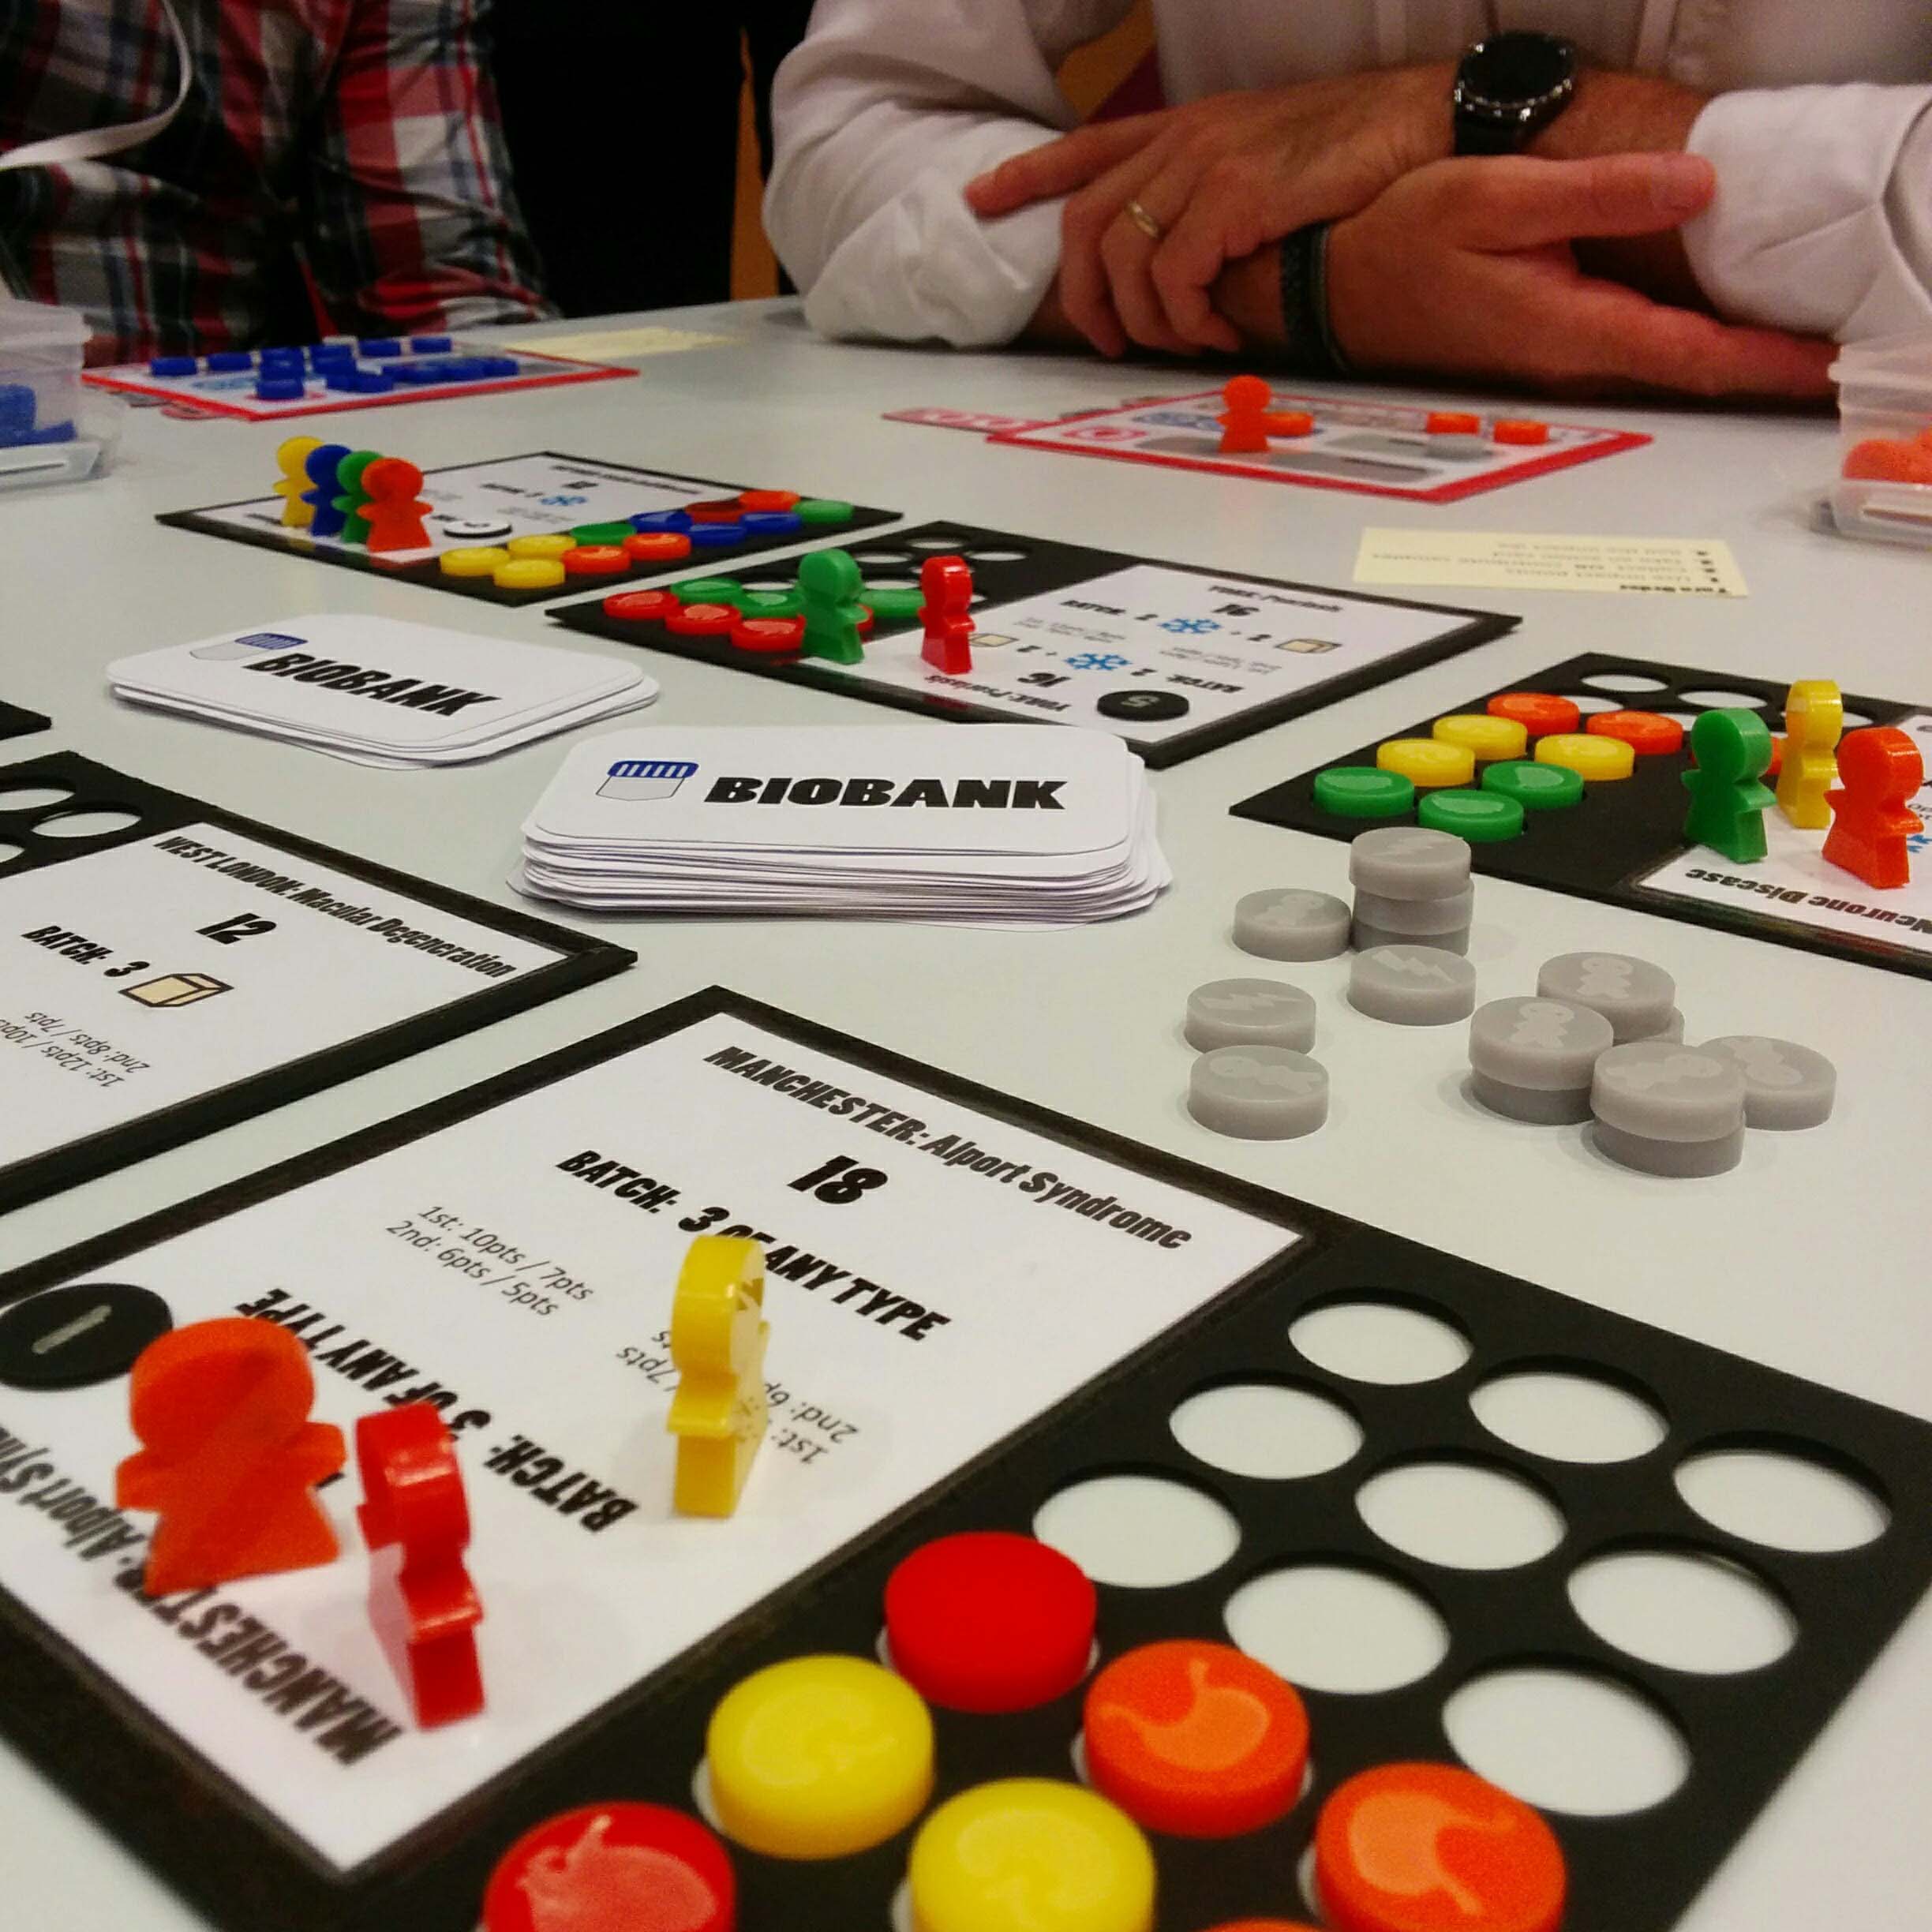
(73, 1338)
(1150, 707)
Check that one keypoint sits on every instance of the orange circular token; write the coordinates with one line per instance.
(1521, 431)
(768, 499)
(1455, 422)
(715, 510)
(658, 546)
(1262, 1925)
(1290, 423)
(596, 560)
(1196, 1740)
(702, 621)
(1432, 1847)
(1645, 732)
(1777, 757)
(1882, 460)
(637, 1865)
(1538, 712)
(769, 634)
(641, 606)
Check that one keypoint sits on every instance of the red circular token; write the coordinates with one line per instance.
(641, 606)
(614, 1868)
(1290, 423)
(989, 1621)
(1196, 1740)
(769, 634)
(1537, 712)
(867, 622)
(702, 619)
(1645, 732)
(1521, 431)
(1778, 756)
(1432, 1847)
(715, 510)
(658, 546)
(768, 499)
(1263, 1925)
(596, 560)
(1455, 422)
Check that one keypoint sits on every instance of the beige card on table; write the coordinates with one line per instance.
(609, 344)
(1514, 560)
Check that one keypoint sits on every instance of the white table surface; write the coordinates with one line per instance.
(1810, 1256)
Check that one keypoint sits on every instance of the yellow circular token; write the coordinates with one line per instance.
(819, 1757)
(1484, 738)
(1427, 761)
(1589, 755)
(535, 573)
(540, 546)
(473, 562)
(1027, 1854)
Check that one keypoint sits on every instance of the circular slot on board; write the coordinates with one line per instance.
(1623, 681)
(1271, 1430)
(997, 556)
(1139, 1532)
(1568, 1415)
(9, 853)
(939, 540)
(1854, 720)
(1379, 1339)
(1786, 1498)
(1460, 1515)
(1337, 1626)
(98, 823)
(1685, 1609)
(1587, 701)
(34, 798)
(1567, 1740)
(1722, 700)
(884, 560)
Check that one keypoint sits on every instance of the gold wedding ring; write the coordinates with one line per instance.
(1144, 221)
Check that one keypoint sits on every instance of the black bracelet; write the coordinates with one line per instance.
(1311, 348)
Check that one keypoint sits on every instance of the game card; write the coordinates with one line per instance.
(194, 968)
(512, 1261)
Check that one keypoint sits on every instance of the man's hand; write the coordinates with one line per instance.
(1466, 269)
(1223, 177)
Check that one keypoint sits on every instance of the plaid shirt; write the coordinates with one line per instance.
(337, 167)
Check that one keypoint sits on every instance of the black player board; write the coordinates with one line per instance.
(167, 968)
(15, 723)
(509, 1252)
(548, 497)
(1623, 844)
(1173, 659)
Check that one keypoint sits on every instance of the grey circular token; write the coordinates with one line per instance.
(1408, 861)
(1249, 1013)
(1532, 1058)
(1258, 1093)
(73, 1338)
(1291, 922)
(1417, 917)
(475, 529)
(1785, 1085)
(1412, 985)
(1635, 997)
(1365, 938)
(1671, 1029)
(1150, 707)
(1668, 1109)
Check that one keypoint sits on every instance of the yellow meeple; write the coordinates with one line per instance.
(1813, 723)
(718, 1334)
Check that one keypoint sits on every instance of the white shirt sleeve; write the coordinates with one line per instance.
(883, 115)
(1823, 217)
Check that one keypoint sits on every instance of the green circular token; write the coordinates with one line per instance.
(603, 533)
(891, 601)
(823, 510)
(711, 590)
(1482, 818)
(770, 602)
(1361, 792)
(1535, 788)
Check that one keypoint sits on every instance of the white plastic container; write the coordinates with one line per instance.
(1884, 489)
(52, 430)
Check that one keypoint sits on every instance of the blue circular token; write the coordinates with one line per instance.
(174, 365)
(677, 520)
(772, 522)
(373, 382)
(279, 388)
(430, 345)
(380, 346)
(343, 375)
(715, 536)
(497, 367)
(224, 361)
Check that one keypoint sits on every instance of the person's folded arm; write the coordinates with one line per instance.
(881, 116)
(1822, 220)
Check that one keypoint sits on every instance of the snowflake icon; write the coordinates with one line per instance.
(1097, 661)
(1190, 626)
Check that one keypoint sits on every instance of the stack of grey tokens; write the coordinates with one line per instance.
(1602, 1039)
(1254, 1080)
(1411, 887)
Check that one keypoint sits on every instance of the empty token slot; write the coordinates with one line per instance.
(35, 798)
(93, 822)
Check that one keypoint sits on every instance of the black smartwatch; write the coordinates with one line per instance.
(1508, 89)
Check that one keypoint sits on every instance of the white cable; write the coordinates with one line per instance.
(91, 144)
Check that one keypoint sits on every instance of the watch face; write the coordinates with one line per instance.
(1517, 70)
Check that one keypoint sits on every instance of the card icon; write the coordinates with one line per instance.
(227, 650)
(635, 779)
(174, 989)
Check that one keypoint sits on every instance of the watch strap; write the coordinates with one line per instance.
(1311, 348)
